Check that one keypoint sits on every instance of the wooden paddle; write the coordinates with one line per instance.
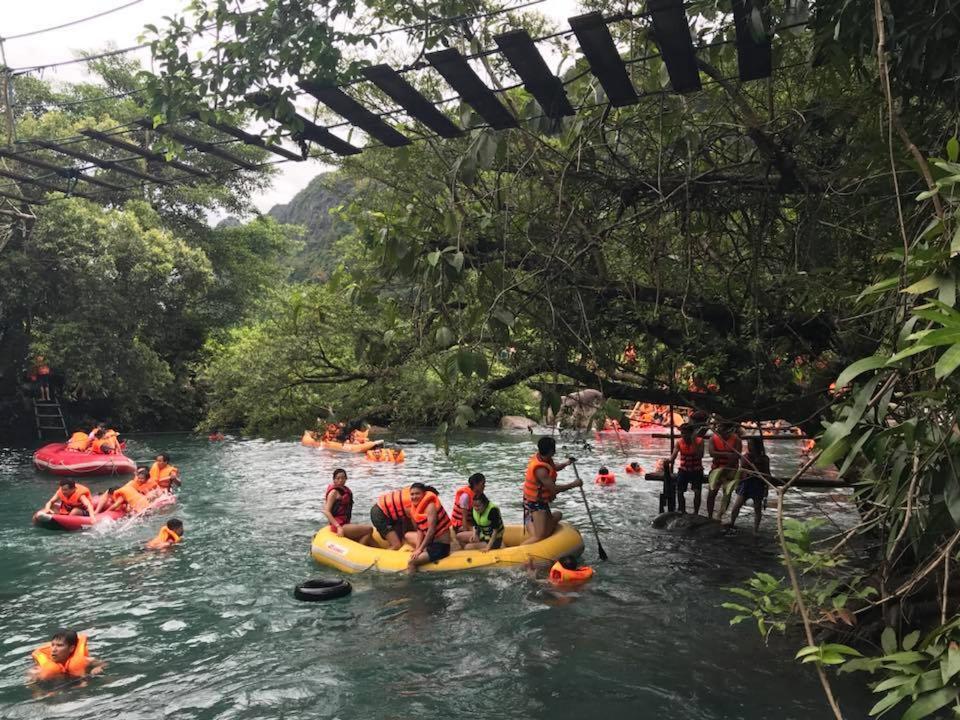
(600, 551)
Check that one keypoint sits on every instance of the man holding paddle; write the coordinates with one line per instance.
(540, 488)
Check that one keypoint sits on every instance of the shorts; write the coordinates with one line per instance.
(383, 524)
(692, 477)
(437, 551)
(752, 488)
(532, 506)
(724, 479)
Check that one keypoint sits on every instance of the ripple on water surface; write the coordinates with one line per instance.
(211, 630)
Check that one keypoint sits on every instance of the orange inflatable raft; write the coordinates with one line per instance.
(311, 440)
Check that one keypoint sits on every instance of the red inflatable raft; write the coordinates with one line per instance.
(56, 458)
(57, 521)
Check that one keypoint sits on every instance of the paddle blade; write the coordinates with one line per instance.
(601, 552)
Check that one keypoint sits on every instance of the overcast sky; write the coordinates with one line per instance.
(121, 30)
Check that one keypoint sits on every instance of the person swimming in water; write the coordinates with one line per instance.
(64, 656)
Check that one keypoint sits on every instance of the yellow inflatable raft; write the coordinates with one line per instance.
(310, 440)
(348, 556)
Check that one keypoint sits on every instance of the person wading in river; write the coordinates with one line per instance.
(754, 474)
(690, 450)
(540, 488)
(725, 448)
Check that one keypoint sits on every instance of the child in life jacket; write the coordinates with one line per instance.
(64, 656)
(169, 535)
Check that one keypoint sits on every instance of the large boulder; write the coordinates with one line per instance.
(517, 422)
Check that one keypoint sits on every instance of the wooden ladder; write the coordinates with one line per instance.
(49, 417)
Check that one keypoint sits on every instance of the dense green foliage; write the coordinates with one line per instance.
(730, 234)
(120, 297)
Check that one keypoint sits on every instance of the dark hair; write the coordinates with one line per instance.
(476, 479)
(634, 464)
(111, 491)
(546, 446)
(431, 488)
(68, 636)
(68, 482)
(568, 562)
(142, 469)
(480, 498)
(338, 471)
(166, 458)
(687, 429)
(418, 486)
(175, 524)
(604, 471)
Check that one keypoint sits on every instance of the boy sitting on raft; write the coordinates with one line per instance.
(169, 535)
(64, 656)
(71, 499)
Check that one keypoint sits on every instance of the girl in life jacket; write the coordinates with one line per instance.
(338, 507)
(64, 656)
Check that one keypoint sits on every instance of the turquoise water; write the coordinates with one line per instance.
(211, 630)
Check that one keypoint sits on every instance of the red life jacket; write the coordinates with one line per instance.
(728, 445)
(690, 458)
(457, 515)
(343, 505)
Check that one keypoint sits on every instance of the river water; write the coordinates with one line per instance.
(211, 630)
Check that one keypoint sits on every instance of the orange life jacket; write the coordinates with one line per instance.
(161, 478)
(423, 523)
(457, 514)
(533, 489)
(358, 436)
(559, 575)
(631, 470)
(690, 458)
(78, 441)
(164, 538)
(396, 505)
(73, 501)
(76, 664)
(606, 479)
(134, 496)
(727, 445)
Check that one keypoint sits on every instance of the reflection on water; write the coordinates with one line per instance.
(211, 630)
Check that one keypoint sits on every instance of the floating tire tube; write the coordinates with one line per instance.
(319, 590)
(407, 441)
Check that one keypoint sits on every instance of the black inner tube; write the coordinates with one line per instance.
(407, 441)
(317, 590)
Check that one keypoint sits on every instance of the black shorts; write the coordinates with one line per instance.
(692, 477)
(437, 551)
(383, 524)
